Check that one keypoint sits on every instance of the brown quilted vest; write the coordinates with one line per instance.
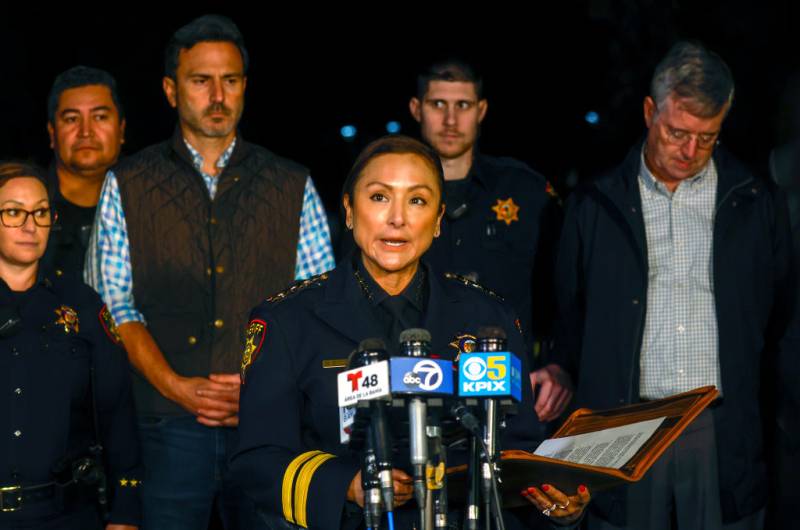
(200, 265)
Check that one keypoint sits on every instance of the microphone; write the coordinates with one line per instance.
(366, 384)
(503, 370)
(373, 351)
(372, 489)
(467, 419)
(492, 339)
(415, 343)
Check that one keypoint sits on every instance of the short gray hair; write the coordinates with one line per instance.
(692, 72)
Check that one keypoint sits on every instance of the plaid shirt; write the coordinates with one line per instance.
(680, 344)
(108, 260)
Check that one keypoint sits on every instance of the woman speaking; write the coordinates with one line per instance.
(290, 459)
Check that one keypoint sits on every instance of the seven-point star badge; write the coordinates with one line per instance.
(68, 318)
(506, 210)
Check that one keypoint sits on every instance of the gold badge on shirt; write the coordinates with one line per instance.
(252, 345)
(68, 318)
(506, 210)
(463, 343)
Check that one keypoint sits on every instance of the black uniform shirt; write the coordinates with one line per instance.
(395, 313)
(69, 236)
(289, 458)
(45, 413)
(500, 229)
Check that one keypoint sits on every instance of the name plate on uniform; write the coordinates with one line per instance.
(363, 383)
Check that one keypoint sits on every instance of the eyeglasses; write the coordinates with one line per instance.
(16, 217)
(680, 137)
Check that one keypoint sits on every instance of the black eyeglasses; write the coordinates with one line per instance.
(16, 217)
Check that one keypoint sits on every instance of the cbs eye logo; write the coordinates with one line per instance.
(474, 368)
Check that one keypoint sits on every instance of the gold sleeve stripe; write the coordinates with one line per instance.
(288, 482)
(303, 484)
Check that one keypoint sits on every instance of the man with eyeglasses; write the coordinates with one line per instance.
(675, 272)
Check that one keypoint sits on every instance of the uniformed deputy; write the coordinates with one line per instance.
(68, 446)
(502, 221)
(290, 460)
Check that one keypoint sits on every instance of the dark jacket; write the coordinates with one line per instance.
(289, 404)
(199, 264)
(602, 280)
(46, 408)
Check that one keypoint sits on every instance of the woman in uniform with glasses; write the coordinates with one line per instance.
(69, 454)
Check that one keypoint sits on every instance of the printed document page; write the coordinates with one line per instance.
(607, 448)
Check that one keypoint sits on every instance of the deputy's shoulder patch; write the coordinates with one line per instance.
(68, 318)
(108, 325)
(551, 191)
(469, 283)
(256, 331)
(297, 287)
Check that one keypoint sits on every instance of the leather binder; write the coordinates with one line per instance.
(520, 469)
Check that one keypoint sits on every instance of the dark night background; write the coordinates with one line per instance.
(313, 71)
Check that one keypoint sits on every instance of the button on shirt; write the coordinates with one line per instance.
(680, 345)
(108, 262)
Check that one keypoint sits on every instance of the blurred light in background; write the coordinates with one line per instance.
(393, 127)
(348, 132)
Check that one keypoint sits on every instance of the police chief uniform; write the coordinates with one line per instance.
(289, 459)
(46, 417)
(500, 230)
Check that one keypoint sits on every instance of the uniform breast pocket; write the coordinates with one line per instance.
(516, 242)
(66, 359)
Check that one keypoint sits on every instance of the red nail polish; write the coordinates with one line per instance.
(524, 493)
(545, 487)
(582, 488)
(531, 489)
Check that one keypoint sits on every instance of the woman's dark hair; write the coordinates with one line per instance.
(10, 169)
(393, 144)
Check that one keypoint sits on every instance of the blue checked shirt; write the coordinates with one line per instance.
(680, 348)
(108, 260)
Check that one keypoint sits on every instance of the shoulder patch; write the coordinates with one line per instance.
(108, 325)
(469, 283)
(518, 325)
(297, 287)
(551, 191)
(256, 331)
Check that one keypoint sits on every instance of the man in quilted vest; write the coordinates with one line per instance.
(190, 234)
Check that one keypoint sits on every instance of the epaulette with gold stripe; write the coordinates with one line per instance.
(296, 482)
(297, 287)
(469, 283)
